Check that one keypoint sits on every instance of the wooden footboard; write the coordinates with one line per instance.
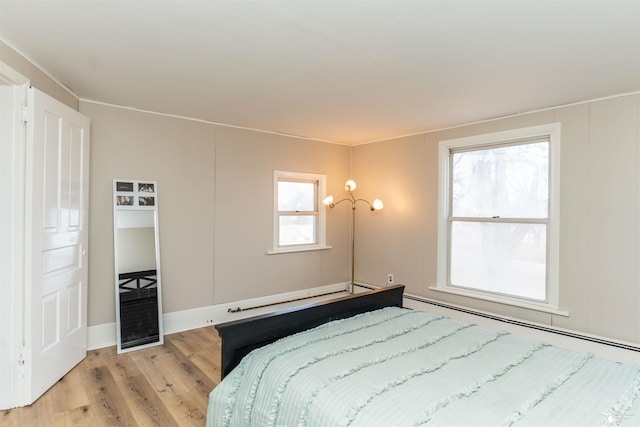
(240, 337)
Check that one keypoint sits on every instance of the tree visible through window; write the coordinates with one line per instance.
(298, 219)
(297, 212)
(498, 233)
(499, 215)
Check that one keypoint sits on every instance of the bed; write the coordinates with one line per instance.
(374, 363)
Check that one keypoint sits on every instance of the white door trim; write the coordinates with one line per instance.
(13, 95)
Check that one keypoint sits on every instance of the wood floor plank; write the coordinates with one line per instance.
(207, 358)
(106, 397)
(201, 356)
(146, 406)
(187, 345)
(15, 417)
(101, 357)
(168, 380)
(199, 379)
(203, 361)
(82, 417)
(158, 386)
(147, 402)
(39, 413)
(66, 395)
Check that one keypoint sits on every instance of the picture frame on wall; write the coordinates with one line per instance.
(135, 194)
(146, 201)
(123, 186)
(124, 200)
(146, 187)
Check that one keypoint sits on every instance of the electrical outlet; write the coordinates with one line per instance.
(390, 279)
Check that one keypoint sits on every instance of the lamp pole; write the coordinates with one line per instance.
(353, 245)
(376, 205)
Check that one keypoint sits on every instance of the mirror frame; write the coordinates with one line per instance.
(136, 196)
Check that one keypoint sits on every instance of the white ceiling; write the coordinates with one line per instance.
(342, 71)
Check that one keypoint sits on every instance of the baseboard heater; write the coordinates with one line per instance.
(239, 309)
(527, 324)
(524, 324)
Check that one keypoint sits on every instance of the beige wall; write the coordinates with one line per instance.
(600, 215)
(214, 208)
(179, 155)
(245, 162)
(36, 76)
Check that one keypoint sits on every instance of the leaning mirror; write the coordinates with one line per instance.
(137, 264)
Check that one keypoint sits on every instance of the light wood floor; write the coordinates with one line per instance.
(165, 385)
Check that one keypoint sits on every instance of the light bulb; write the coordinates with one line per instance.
(328, 200)
(350, 185)
(377, 204)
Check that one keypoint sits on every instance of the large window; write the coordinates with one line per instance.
(498, 229)
(299, 222)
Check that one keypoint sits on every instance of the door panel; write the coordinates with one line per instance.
(57, 198)
(74, 194)
(51, 144)
(74, 302)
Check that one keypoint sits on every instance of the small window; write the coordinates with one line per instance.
(299, 223)
(498, 229)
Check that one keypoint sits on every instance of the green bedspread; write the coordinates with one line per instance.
(399, 367)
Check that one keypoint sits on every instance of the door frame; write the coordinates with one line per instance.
(13, 136)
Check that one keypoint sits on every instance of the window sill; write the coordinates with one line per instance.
(503, 300)
(298, 249)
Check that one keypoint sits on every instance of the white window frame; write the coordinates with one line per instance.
(552, 131)
(319, 212)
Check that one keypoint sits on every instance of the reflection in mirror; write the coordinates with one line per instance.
(138, 296)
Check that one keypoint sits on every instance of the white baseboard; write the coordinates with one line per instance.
(104, 335)
(100, 336)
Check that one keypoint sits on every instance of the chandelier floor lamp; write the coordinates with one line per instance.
(375, 206)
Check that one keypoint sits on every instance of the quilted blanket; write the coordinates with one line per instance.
(400, 367)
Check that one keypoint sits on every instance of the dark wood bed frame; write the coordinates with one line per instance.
(239, 337)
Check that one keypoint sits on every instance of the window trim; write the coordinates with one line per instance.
(552, 131)
(320, 213)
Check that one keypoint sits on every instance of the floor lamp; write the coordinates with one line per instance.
(375, 206)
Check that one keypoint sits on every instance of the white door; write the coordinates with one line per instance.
(56, 241)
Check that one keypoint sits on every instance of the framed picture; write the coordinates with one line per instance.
(124, 200)
(145, 187)
(133, 194)
(146, 201)
(124, 186)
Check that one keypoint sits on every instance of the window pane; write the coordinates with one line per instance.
(297, 230)
(510, 182)
(296, 196)
(498, 257)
